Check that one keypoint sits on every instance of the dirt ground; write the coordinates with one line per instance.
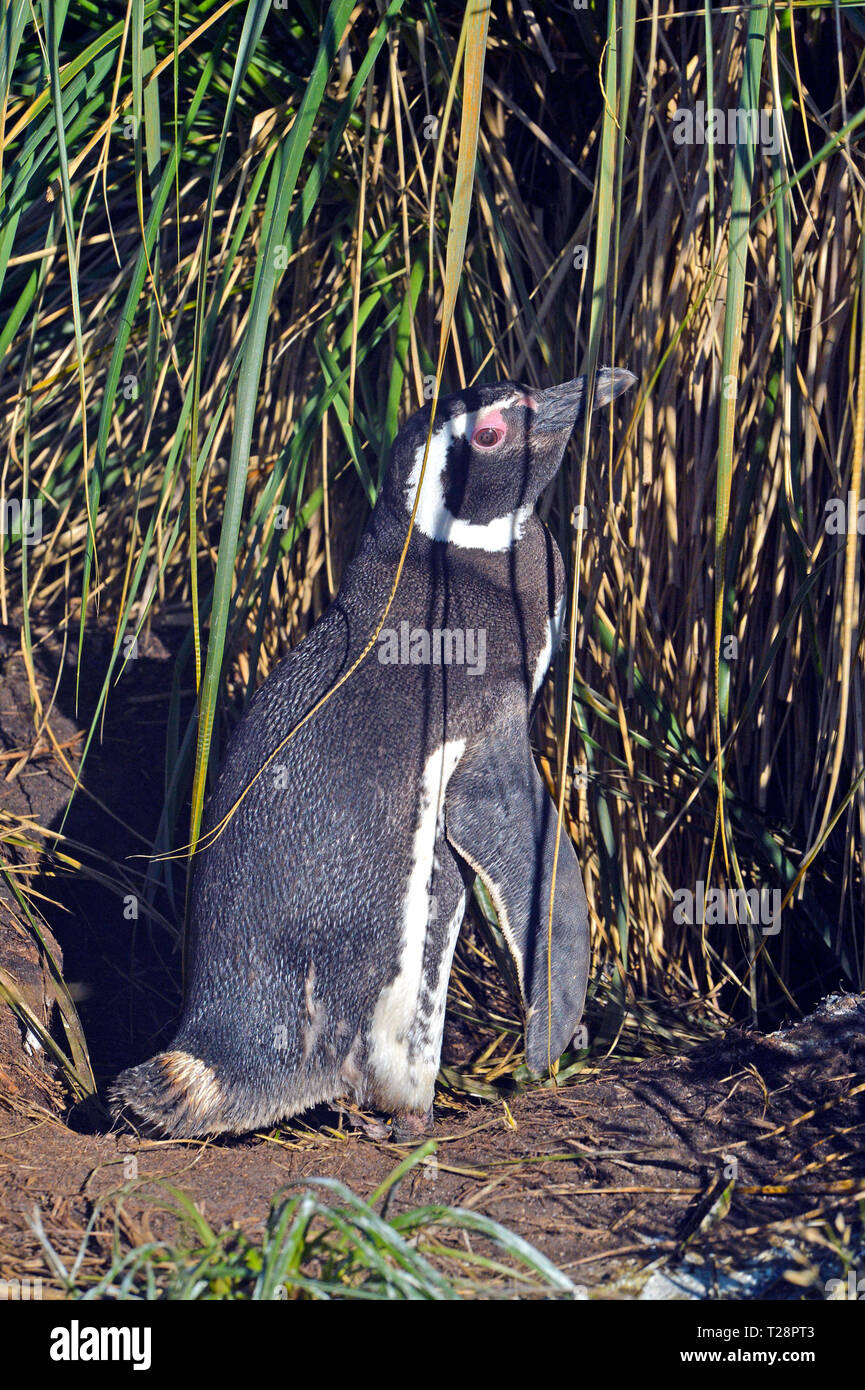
(605, 1176)
(736, 1166)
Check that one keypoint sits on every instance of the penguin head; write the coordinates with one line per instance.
(493, 451)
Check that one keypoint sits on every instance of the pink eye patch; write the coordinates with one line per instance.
(490, 429)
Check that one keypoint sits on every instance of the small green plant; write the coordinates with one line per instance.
(323, 1243)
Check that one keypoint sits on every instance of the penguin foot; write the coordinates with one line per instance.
(410, 1126)
(370, 1125)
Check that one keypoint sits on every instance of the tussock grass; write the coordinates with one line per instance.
(222, 243)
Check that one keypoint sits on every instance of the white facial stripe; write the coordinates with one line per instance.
(433, 518)
(520, 398)
(458, 423)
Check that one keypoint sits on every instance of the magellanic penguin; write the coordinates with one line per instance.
(325, 913)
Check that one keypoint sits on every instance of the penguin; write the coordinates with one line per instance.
(326, 905)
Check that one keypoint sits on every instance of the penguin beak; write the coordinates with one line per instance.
(560, 407)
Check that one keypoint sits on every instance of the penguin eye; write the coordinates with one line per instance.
(487, 437)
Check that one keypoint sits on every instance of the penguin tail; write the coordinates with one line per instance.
(175, 1095)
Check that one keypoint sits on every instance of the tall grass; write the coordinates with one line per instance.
(222, 242)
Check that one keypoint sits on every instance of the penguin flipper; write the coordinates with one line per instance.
(501, 820)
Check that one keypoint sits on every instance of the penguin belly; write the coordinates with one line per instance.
(405, 1032)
